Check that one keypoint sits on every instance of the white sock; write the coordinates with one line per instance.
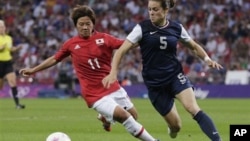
(137, 130)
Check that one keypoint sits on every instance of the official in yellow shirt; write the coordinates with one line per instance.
(6, 64)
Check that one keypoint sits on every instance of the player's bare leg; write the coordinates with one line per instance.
(113, 112)
(188, 100)
(133, 112)
(107, 125)
(131, 125)
(174, 122)
(1, 83)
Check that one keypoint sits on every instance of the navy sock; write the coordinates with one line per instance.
(207, 125)
(14, 94)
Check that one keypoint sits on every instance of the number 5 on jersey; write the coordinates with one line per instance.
(163, 41)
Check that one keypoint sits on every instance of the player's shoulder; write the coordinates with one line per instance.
(106, 37)
(174, 23)
(72, 39)
(6, 37)
(146, 22)
(175, 26)
(103, 35)
(147, 26)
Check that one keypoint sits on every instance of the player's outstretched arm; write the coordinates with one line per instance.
(112, 77)
(51, 61)
(201, 53)
(16, 48)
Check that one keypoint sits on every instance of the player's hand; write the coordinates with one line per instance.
(26, 72)
(213, 64)
(108, 80)
(19, 47)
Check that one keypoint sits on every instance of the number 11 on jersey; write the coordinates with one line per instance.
(94, 63)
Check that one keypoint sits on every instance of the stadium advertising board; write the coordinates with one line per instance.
(138, 91)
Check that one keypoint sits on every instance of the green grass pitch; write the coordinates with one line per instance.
(44, 116)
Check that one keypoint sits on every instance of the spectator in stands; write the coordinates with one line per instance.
(20, 22)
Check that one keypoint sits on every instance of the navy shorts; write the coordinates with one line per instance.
(5, 68)
(162, 97)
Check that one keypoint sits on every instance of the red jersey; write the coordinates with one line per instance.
(91, 59)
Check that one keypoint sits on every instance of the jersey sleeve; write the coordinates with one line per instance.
(113, 42)
(63, 52)
(184, 35)
(135, 35)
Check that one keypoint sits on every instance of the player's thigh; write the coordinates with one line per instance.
(1, 83)
(172, 118)
(106, 107)
(110, 110)
(2, 73)
(121, 98)
(11, 78)
(161, 98)
(188, 100)
(8, 72)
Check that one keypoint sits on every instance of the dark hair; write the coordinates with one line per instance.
(172, 3)
(82, 11)
(166, 3)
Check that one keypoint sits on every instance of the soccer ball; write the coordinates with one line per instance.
(58, 136)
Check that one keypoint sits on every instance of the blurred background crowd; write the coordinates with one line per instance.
(41, 26)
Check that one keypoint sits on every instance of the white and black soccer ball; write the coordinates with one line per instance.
(58, 136)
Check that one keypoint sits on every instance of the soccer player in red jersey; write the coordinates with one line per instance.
(91, 54)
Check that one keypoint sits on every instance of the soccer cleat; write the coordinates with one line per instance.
(19, 106)
(106, 125)
(172, 134)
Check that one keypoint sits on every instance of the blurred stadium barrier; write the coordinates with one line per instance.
(237, 77)
(134, 91)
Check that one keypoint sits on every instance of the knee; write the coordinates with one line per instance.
(192, 109)
(135, 115)
(121, 115)
(133, 112)
(173, 120)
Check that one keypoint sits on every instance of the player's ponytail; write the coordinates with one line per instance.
(172, 3)
(166, 4)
